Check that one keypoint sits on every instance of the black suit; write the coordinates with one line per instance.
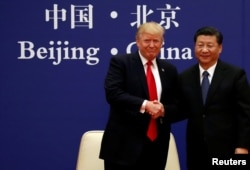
(126, 89)
(223, 123)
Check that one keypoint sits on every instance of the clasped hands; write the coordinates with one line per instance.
(241, 151)
(155, 109)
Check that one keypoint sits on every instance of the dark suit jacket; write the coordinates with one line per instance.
(126, 89)
(223, 123)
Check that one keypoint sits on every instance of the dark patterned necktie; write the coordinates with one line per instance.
(152, 128)
(205, 85)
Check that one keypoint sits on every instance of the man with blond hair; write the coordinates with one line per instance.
(140, 89)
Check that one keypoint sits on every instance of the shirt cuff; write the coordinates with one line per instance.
(143, 107)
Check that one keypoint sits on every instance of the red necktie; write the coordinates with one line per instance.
(152, 128)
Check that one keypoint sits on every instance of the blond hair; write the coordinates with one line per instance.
(151, 28)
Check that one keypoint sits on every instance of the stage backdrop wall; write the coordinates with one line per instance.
(54, 57)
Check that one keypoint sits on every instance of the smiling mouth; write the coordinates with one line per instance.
(204, 56)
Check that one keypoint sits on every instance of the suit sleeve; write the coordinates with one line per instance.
(116, 88)
(243, 101)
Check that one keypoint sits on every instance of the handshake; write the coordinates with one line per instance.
(155, 109)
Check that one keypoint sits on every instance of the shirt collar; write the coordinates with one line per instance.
(210, 70)
(144, 60)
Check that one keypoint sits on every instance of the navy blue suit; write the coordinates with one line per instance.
(222, 124)
(126, 89)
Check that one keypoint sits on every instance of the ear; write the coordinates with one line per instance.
(220, 48)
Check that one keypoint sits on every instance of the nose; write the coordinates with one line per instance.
(151, 43)
(204, 50)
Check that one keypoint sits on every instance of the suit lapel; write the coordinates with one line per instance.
(216, 81)
(139, 71)
(162, 74)
(197, 83)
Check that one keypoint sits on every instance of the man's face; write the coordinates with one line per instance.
(149, 45)
(207, 50)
